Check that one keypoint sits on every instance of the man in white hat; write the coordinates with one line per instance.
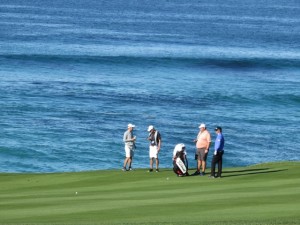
(129, 141)
(155, 143)
(202, 144)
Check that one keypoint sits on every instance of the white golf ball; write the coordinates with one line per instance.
(76, 193)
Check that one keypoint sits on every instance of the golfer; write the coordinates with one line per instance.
(129, 141)
(202, 141)
(218, 154)
(154, 138)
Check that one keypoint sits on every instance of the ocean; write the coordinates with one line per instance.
(73, 74)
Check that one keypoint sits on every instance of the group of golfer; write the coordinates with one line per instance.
(203, 142)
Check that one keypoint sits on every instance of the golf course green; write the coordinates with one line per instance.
(264, 194)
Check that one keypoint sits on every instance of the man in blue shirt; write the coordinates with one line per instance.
(218, 154)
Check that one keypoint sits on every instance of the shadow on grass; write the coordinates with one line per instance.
(250, 172)
(243, 172)
(235, 173)
(246, 170)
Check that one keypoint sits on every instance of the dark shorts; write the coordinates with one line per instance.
(201, 155)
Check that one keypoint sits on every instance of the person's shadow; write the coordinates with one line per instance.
(246, 172)
(239, 172)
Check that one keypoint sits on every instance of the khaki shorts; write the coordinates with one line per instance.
(128, 151)
(202, 156)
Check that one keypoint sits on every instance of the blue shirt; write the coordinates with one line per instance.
(219, 143)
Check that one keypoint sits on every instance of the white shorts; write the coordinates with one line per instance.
(153, 151)
(128, 151)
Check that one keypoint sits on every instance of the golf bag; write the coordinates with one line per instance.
(180, 166)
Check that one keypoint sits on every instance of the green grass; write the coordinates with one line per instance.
(255, 195)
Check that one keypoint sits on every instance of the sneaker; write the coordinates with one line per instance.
(130, 169)
(124, 169)
(211, 177)
(157, 170)
(202, 174)
(196, 173)
(150, 170)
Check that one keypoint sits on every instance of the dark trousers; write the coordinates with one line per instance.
(217, 159)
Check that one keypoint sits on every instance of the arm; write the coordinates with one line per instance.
(158, 142)
(217, 144)
(208, 142)
(207, 147)
(126, 137)
(158, 145)
(174, 153)
(196, 139)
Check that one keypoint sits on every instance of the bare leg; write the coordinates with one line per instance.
(199, 165)
(151, 163)
(157, 163)
(126, 161)
(129, 161)
(203, 166)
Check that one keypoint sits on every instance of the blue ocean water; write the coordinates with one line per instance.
(73, 74)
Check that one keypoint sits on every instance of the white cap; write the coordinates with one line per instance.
(150, 128)
(202, 125)
(179, 147)
(131, 125)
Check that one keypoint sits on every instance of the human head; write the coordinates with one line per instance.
(150, 128)
(180, 147)
(218, 129)
(130, 126)
(202, 126)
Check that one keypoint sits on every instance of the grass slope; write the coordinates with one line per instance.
(255, 195)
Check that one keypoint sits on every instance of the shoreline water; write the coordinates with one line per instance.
(74, 73)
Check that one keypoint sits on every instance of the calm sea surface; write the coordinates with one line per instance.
(73, 74)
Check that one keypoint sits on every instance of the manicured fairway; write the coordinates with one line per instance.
(259, 195)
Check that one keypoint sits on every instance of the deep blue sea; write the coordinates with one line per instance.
(74, 73)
